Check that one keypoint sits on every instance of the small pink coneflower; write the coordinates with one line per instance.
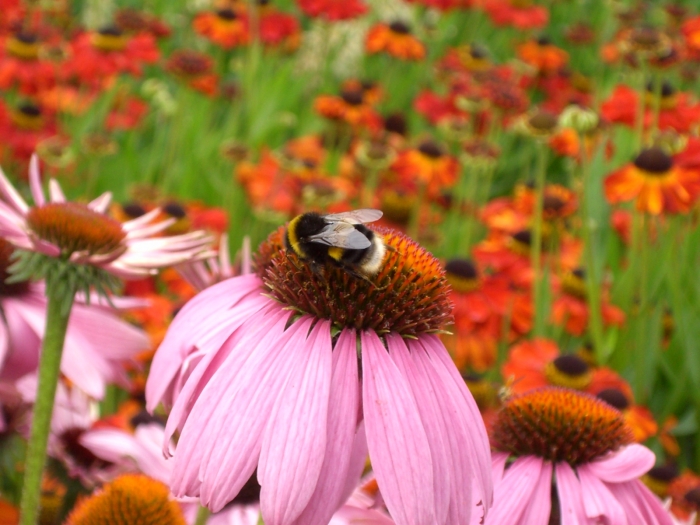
(297, 373)
(562, 456)
(84, 234)
(98, 342)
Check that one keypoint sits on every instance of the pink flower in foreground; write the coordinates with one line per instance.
(553, 437)
(97, 342)
(298, 373)
(84, 234)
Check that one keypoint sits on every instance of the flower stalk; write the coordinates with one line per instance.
(57, 316)
(536, 246)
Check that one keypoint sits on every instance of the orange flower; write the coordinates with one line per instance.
(654, 183)
(565, 143)
(542, 55)
(481, 303)
(396, 40)
(225, 28)
(691, 33)
(195, 69)
(684, 492)
(558, 202)
(536, 363)
(350, 107)
(522, 14)
(333, 10)
(428, 165)
(571, 308)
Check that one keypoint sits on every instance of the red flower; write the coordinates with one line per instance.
(333, 10)
(22, 128)
(126, 113)
(98, 56)
(518, 13)
(691, 33)
(279, 29)
(677, 111)
(195, 69)
(20, 65)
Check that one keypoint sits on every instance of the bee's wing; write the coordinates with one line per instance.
(355, 216)
(341, 235)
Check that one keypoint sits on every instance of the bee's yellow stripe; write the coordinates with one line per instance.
(335, 253)
(292, 233)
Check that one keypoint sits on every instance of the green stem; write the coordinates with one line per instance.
(414, 223)
(536, 246)
(592, 288)
(639, 122)
(49, 368)
(202, 516)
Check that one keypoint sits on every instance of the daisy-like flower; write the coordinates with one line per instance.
(84, 234)
(21, 66)
(396, 40)
(566, 456)
(350, 107)
(131, 498)
(428, 164)
(297, 372)
(99, 55)
(23, 127)
(684, 494)
(97, 341)
(544, 56)
(225, 28)
(195, 69)
(655, 183)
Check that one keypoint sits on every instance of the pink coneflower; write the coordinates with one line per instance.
(97, 344)
(288, 369)
(566, 456)
(84, 234)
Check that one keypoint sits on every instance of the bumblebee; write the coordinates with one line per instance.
(339, 239)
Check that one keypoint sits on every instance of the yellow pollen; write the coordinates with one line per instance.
(462, 284)
(26, 121)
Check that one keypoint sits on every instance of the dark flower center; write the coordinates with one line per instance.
(543, 121)
(667, 89)
(175, 210)
(615, 398)
(544, 41)
(30, 110)
(523, 237)
(143, 417)
(430, 149)
(189, 63)
(665, 473)
(353, 97)
(693, 497)
(553, 203)
(558, 424)
(569, 371)
(133, 210)
(400, 28)
(226, 14)
(70, 439)
(462, 275)
(395, 123)
(408, 295)
(654, 161)
(74, 227)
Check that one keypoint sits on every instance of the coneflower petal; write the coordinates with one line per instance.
(570, 497)
(640, 504)
(191, 323)
(343, 404)
(35, 181)
(436, 429)
(397, 442)
(294, 442)
(598, 501)
(243, 413)
(628, 463)
(540, 507)
(55, 192)
(225, 406)
(477, 436)
(512, 495)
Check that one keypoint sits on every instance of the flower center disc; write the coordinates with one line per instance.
(559, 425)
(409, 294)
(74, 227)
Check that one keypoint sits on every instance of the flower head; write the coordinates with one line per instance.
(83, 234)
(396, 40)
(321, 367)
(566, 454)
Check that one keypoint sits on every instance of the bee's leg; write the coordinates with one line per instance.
(291, 260)
(362, 276)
